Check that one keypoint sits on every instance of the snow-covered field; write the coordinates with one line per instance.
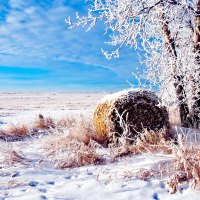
(16, 107)
(36, 178)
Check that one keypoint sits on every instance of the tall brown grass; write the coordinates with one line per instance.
(14, 132)
(20, 130)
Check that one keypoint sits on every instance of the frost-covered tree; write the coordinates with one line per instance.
(168, 31)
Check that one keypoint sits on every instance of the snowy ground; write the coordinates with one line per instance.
(110, 181)
(23, 107)
(40, 180)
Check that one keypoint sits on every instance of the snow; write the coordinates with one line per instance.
(41, 180)
(110, 181)
(23, 108)
(132, 93)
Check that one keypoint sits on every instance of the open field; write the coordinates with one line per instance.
(62, 161)
(17, 106)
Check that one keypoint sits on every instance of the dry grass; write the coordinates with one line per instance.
(73, 145)
(146, 175)
(20, 130)
(148, 142)
(182, 171)
(185, 166)
(23, 130)
(151, 141)
(81, 127)
(14, 132)
(72, 142)
(44, 123)
(9, 156)
(67, 151)
(67, 122)
(74, 123)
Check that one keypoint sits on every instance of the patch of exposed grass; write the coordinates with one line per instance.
(78, 145)
(44, 123)
(185, 166)
(20, 130)
(9, 156)
(69, 151)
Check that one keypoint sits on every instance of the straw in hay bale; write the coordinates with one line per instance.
(128, 113)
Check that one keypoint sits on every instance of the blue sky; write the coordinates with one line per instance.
(38, 52)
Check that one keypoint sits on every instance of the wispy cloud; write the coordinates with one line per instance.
(33, 34)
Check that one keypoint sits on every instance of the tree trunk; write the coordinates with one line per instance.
(177, 78)
(195, 78)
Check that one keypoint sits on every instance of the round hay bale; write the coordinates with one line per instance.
(128, 113)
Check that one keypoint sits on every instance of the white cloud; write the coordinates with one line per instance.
(34, 34)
